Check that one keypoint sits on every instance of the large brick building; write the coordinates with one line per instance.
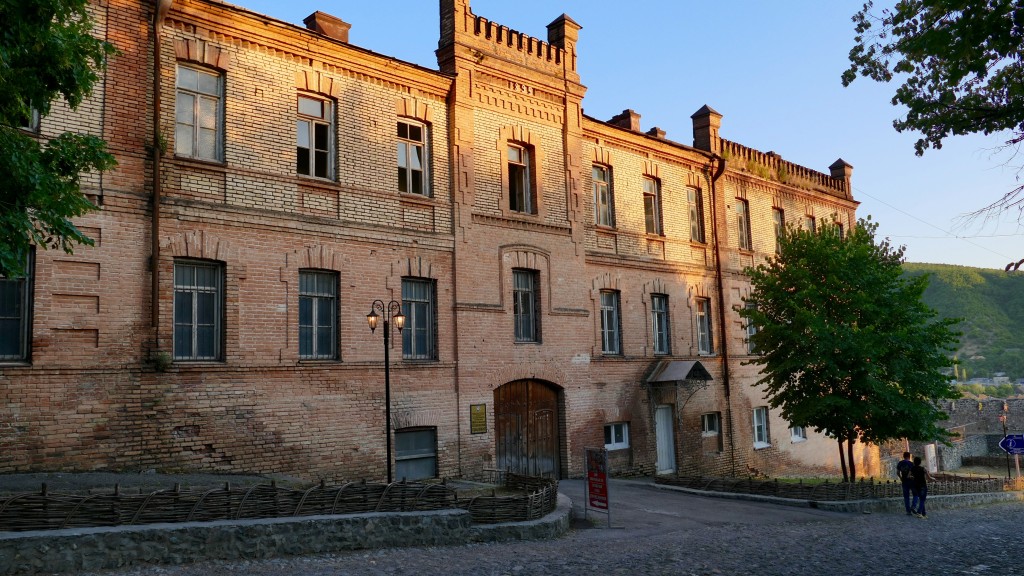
(566, 282)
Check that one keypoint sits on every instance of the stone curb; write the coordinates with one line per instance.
(893, 505)
(86, 549)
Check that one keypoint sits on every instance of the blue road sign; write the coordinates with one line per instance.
(1012, 443)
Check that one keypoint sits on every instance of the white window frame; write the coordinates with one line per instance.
(696, 201)
(520, 191)
(192, 292)
(419, 304)
(526, 305)
(18, 319)
(604, 201)
(710, 424)
(660, 324)
(616, 436)
(32, 121)
(409, 148)
(652, 206)
(611, 324)
(188, 129)
(705, 331)
(405, 457)
(318, 291)
(762, 437)
(319, 160)
(779, 221)
(798, 433)
(745, 241)
(810, 225)
(751, 329)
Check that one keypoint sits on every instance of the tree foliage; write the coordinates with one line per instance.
(960, 66)
(46, 51)
(845, 344)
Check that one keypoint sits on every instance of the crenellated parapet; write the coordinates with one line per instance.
(771, 166)
(485, 38)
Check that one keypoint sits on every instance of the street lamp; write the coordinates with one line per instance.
(393, 311)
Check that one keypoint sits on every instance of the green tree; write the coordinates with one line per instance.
(846, 345)
(960, 64)
(46, 51)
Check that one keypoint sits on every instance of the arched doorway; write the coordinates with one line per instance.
(526, 421)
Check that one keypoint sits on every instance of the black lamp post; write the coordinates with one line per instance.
(393, 311)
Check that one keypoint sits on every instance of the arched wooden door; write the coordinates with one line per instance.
(526, 428)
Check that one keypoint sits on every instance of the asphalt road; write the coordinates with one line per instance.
(664, 532)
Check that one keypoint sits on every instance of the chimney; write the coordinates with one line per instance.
(706, 123)
(563, 32)
(841, 170)
(330, 26)
(657, 133)
(627, 119)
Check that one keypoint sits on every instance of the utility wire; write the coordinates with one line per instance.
(947, 233)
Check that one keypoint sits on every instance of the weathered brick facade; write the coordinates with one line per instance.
(105, 386)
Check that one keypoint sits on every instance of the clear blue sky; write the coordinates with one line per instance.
(772, 69)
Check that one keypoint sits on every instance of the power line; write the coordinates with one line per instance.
(956, 237)
(947, 233)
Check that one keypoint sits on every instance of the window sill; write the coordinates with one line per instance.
(319, 360)
(708, 434)
(797, 440)
(761, 445)
(15, 364)
(413, 198)
(316, 180)
(606, 229)
(200, 162)
(616, 447)
(527, 342)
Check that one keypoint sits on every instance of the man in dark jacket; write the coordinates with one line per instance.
(903, 470)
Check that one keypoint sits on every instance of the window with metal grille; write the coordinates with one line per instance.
(525, 303)
(198, 310)
(419, 335)
(318, 315)
(416, 454)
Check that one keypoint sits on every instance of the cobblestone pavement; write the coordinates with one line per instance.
(663, 532)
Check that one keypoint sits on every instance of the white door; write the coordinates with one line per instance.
(665, 439)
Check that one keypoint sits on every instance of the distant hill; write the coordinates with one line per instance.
(991, 304)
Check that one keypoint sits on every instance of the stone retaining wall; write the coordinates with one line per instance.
(83, 549)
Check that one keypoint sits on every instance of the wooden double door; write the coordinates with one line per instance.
(527, 428)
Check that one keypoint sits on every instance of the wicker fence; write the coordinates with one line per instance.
(537, 497)
(533, 498)
(837, 491)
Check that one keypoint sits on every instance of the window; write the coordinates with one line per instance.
(652, 206)
(705, 338)
(842, 231)
(659, 323)
(420, 319)
(30, 122)
(198, 310)
(197, 129)
(743, 224)
(797, 433)
(520, 191)
(314, 135)
(610, 333)
(751, 330)
(696, 201)
(16, 316)
(809, 224)
(761, 439)
(604, 211)
(416, 454)
(318, 315)
(412, 158)
(711, 424)
(525, 304)
(616, 436)
(779, 219)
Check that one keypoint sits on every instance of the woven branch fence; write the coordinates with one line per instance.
(47, 511)
(838, 491)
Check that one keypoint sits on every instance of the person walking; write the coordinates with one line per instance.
(903, 469)
(921, 477)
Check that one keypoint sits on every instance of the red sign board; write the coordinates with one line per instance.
(597, 478)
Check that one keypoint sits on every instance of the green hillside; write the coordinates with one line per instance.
(991, 304)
